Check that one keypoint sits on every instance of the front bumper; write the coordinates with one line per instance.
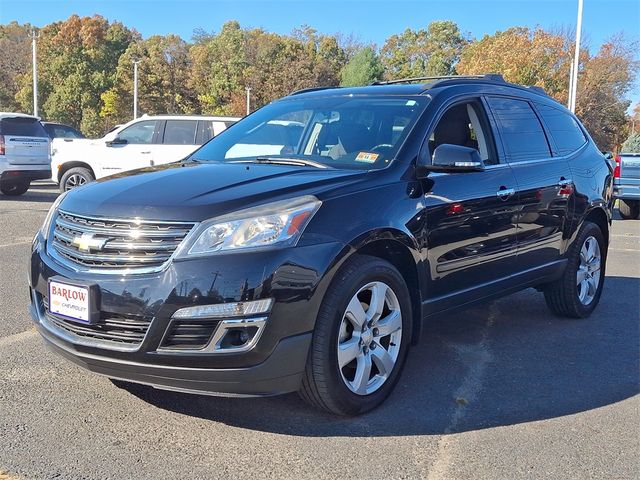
(295, 278)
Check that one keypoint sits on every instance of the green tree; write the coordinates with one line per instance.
(418, 53)
(631, 144)
(15, 62)
(363, 69)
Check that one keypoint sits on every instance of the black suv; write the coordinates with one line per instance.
(302, 249)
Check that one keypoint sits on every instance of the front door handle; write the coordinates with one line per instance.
(505, 193)
(146, 153)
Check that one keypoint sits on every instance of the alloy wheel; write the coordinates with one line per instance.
(369, 338)
(588, 274)
(74, 181)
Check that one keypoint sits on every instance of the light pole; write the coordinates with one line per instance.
(34, 38)
(248, 89)
(576, 60)
(135, 88)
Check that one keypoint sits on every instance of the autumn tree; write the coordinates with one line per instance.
(15, 62)
(419, 53)
(363, 69)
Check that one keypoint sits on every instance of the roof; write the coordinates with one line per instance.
(188, 117)
(417, 86)
(14, 115)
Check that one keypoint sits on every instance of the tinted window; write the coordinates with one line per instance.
(180, 132)
(522, 135)
(141, 132)
(55, 130)
(22, 127)
(564, 129)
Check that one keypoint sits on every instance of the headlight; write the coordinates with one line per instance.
(276, 224)
(46, 226)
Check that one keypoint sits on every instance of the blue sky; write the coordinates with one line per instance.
(367, 20)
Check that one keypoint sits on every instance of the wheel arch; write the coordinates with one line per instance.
(66, 166)
(399, 249)
(600, 217)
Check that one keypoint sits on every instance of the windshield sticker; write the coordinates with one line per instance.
(367, 157)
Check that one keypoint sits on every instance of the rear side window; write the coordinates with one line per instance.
(522, 135)
(22, 127)
(180, 132)
(564, 129)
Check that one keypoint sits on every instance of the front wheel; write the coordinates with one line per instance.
(75, 177)
(629, 209)
(360, 339)
(577, 293)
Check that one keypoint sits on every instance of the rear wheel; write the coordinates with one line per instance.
(577, 293)
(360, 340)
(75, 177)
(629, 209)
(14, 188)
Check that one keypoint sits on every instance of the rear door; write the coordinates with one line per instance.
(25, 140)
(471, 217)
(179, 139)
(544, 182)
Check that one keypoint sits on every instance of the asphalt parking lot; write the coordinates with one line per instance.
(503, 390)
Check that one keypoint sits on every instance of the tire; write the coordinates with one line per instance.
(347, 390)
(75, 177)
(567, 297)
(629, 209)
(14, 189)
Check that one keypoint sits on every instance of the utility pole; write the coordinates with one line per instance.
(135, 88)
(248, 89)
(576, 60)
(34, 38)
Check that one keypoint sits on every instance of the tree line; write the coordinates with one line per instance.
(86, 72)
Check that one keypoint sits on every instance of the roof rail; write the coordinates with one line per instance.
(312, 89)
(494, 77)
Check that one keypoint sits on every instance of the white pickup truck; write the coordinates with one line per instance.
(626, 184)
(146, 141)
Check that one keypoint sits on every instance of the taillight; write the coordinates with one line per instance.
(616, 171)
(1, 144)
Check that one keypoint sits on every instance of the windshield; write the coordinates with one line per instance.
(335, 132)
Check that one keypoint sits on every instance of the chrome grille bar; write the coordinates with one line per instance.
(127, 245)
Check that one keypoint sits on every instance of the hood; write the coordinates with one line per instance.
(198, 191)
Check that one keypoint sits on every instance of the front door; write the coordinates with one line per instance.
(471, 217)
(133, 148)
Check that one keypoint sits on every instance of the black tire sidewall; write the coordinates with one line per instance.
(340, 293)
(629, 209)
(13, 189)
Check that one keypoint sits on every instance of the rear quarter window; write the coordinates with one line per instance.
(22, 127)
(564, 129)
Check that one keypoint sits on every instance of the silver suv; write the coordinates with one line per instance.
(24, 152)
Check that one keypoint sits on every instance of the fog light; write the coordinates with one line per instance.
(226, 310)
(235, 336)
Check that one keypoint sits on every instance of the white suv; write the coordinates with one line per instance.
(143, 142)
(24, 152)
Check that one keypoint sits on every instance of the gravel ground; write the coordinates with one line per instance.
(501, 391)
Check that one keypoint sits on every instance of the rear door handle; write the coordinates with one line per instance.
(505, 193)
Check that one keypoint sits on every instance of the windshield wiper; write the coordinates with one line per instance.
(302, 162)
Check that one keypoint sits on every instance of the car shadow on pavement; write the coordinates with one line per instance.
(37, 193)
(502, 363)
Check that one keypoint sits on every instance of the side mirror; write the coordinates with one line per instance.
(116, 141)
(449, 158)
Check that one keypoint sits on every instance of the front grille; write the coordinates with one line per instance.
(116, 244)
(189, 334)
(118, 329)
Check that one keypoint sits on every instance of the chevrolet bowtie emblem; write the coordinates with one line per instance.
(86, 242)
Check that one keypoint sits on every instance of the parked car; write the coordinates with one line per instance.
(59, 130)
(24, 152)
(626, 185)
(313, 268)
(143, 142)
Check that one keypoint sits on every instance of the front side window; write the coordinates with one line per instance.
(522, 135)
(465, 125)
(139, 133)
(339, 132)
(564, 129)
(180, 132)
